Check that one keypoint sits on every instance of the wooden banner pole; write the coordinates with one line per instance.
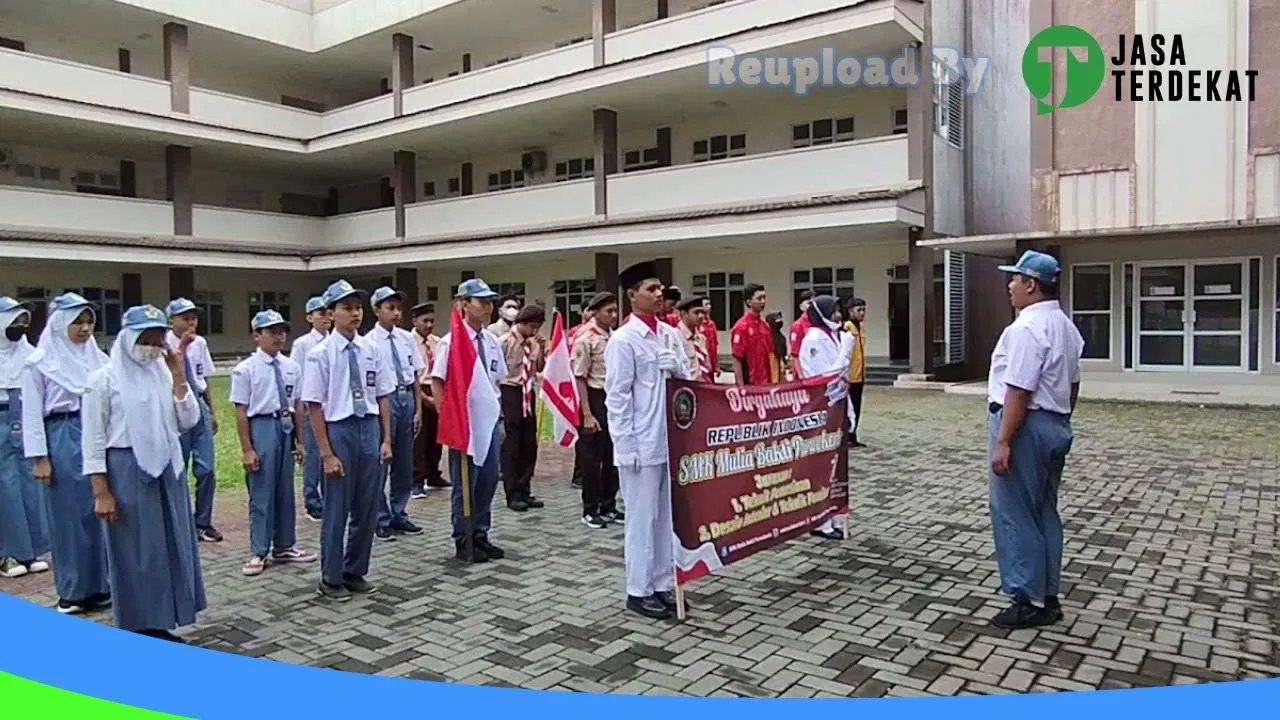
(680, 607)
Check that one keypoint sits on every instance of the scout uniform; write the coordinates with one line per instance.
(133, 454)
(695, 344)
(56, 379)
(24, 536)
(594, 450)
(524, 360)
(857, 370)
(311, 470)
(1039, 354)
(640, 356)
(426, 449)
(197, 443)
(264, 388)
(346, 377)
(483, 477)
(400, 353)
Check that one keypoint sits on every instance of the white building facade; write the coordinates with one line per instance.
(245, 153)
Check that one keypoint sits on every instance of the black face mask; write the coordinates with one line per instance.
(15, 332)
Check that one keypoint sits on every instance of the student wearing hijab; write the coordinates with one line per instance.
(55, 382)
(134, 413)
(24, 535)
(826, 351)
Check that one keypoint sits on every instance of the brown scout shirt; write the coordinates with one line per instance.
(427, 346)
(694, 339)
(513, 350)
(587, 358)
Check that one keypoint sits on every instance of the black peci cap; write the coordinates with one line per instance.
(632, 277)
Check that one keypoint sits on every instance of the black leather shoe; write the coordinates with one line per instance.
(1054, 607)
(518, 505)
(406, 528)
(534, 502)
(385, 533)
(667, 598)
(1022, 614)
(650, 607)
(476, 555)
(358, 585)
(492, 551)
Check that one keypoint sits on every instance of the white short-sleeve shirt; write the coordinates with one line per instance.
(1038, 352)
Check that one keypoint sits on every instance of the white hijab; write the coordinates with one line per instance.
(63, 361)
(146, 393)
(13, 353)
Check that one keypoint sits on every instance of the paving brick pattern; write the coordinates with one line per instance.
(1171, 578)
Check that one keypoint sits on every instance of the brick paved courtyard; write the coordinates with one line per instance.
(1171, 577)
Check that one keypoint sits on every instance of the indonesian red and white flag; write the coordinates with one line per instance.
(559, 389)
(470, 401)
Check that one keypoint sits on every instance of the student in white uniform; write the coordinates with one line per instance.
(24, 535)
(264, 390)
(197, 443)
(825, 350)
(319, 318)
(1031, 393)
(404, 361)
(56, 379)
(134, 411)
(638, 359)
(347, 392)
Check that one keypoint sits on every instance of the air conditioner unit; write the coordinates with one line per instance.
(534, 161)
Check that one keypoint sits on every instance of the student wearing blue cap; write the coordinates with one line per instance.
(400, 351)
(134, 413)
(53, 388)
(1031, 392)
(24, 535)
(264, 390)
(347, 390)
(471, 525)
(318, 316)
(197, 443)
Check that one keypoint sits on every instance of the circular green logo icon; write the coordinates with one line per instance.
(1083, 77)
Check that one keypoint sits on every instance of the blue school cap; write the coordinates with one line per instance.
(339, 291)
(180, 306)
(385, 293)
(1035, 265)
(475, 288)
(69, 301)
(7, 303)
(315, 303)
(268, 319)
(144, 317)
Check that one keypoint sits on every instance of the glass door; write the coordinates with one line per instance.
(1162, 317)
(1218, 316)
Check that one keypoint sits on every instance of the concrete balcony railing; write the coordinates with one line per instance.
(826, 170)
(545, 204)
(71, 212)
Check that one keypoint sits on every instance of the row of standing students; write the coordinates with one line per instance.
(95, 466)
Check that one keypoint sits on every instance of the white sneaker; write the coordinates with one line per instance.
(11, 568)
(38, 566)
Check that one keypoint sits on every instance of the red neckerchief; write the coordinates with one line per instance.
(650, 320)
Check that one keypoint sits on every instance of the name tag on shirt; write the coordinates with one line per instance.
(200, 369)
(288, 393)
(370, 378)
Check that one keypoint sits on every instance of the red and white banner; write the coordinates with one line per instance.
(559, 389)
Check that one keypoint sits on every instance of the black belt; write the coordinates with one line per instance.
(74, 415)
(4, 407)
(277, 415)
(404, 388)
(996, 407)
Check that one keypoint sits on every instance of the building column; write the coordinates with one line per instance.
(401, 70)
(405, 183)
(124, 61)
(182, 283)
(128, 179)
(407, 283)
(177, 67)
(604, 20)
(921, 310)
(177, 176)
(663, 10)
(665, 273)
(606, 154)
(131, 289)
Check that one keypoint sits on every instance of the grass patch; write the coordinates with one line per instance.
(226, 446)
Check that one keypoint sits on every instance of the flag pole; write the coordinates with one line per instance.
(465, 465)
(680, 606)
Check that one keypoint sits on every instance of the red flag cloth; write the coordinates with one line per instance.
(559, 389)
(454, 429)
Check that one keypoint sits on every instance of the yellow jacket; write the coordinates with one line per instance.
(857, 361)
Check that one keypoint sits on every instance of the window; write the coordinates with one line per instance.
(571, 296)
(724, 289)
(429, 189)
(108, 302)
(506, 180)
(455, 187)
(1091, 308)
(269, 300)
(833, 281)
(719, 147)
(242, 197)
(900, 118)
(639, 159)
(822, 132)
(502, 60)
(575, 169)
(213, 310)
(573, 41)
(948, 104)
(955, 332)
